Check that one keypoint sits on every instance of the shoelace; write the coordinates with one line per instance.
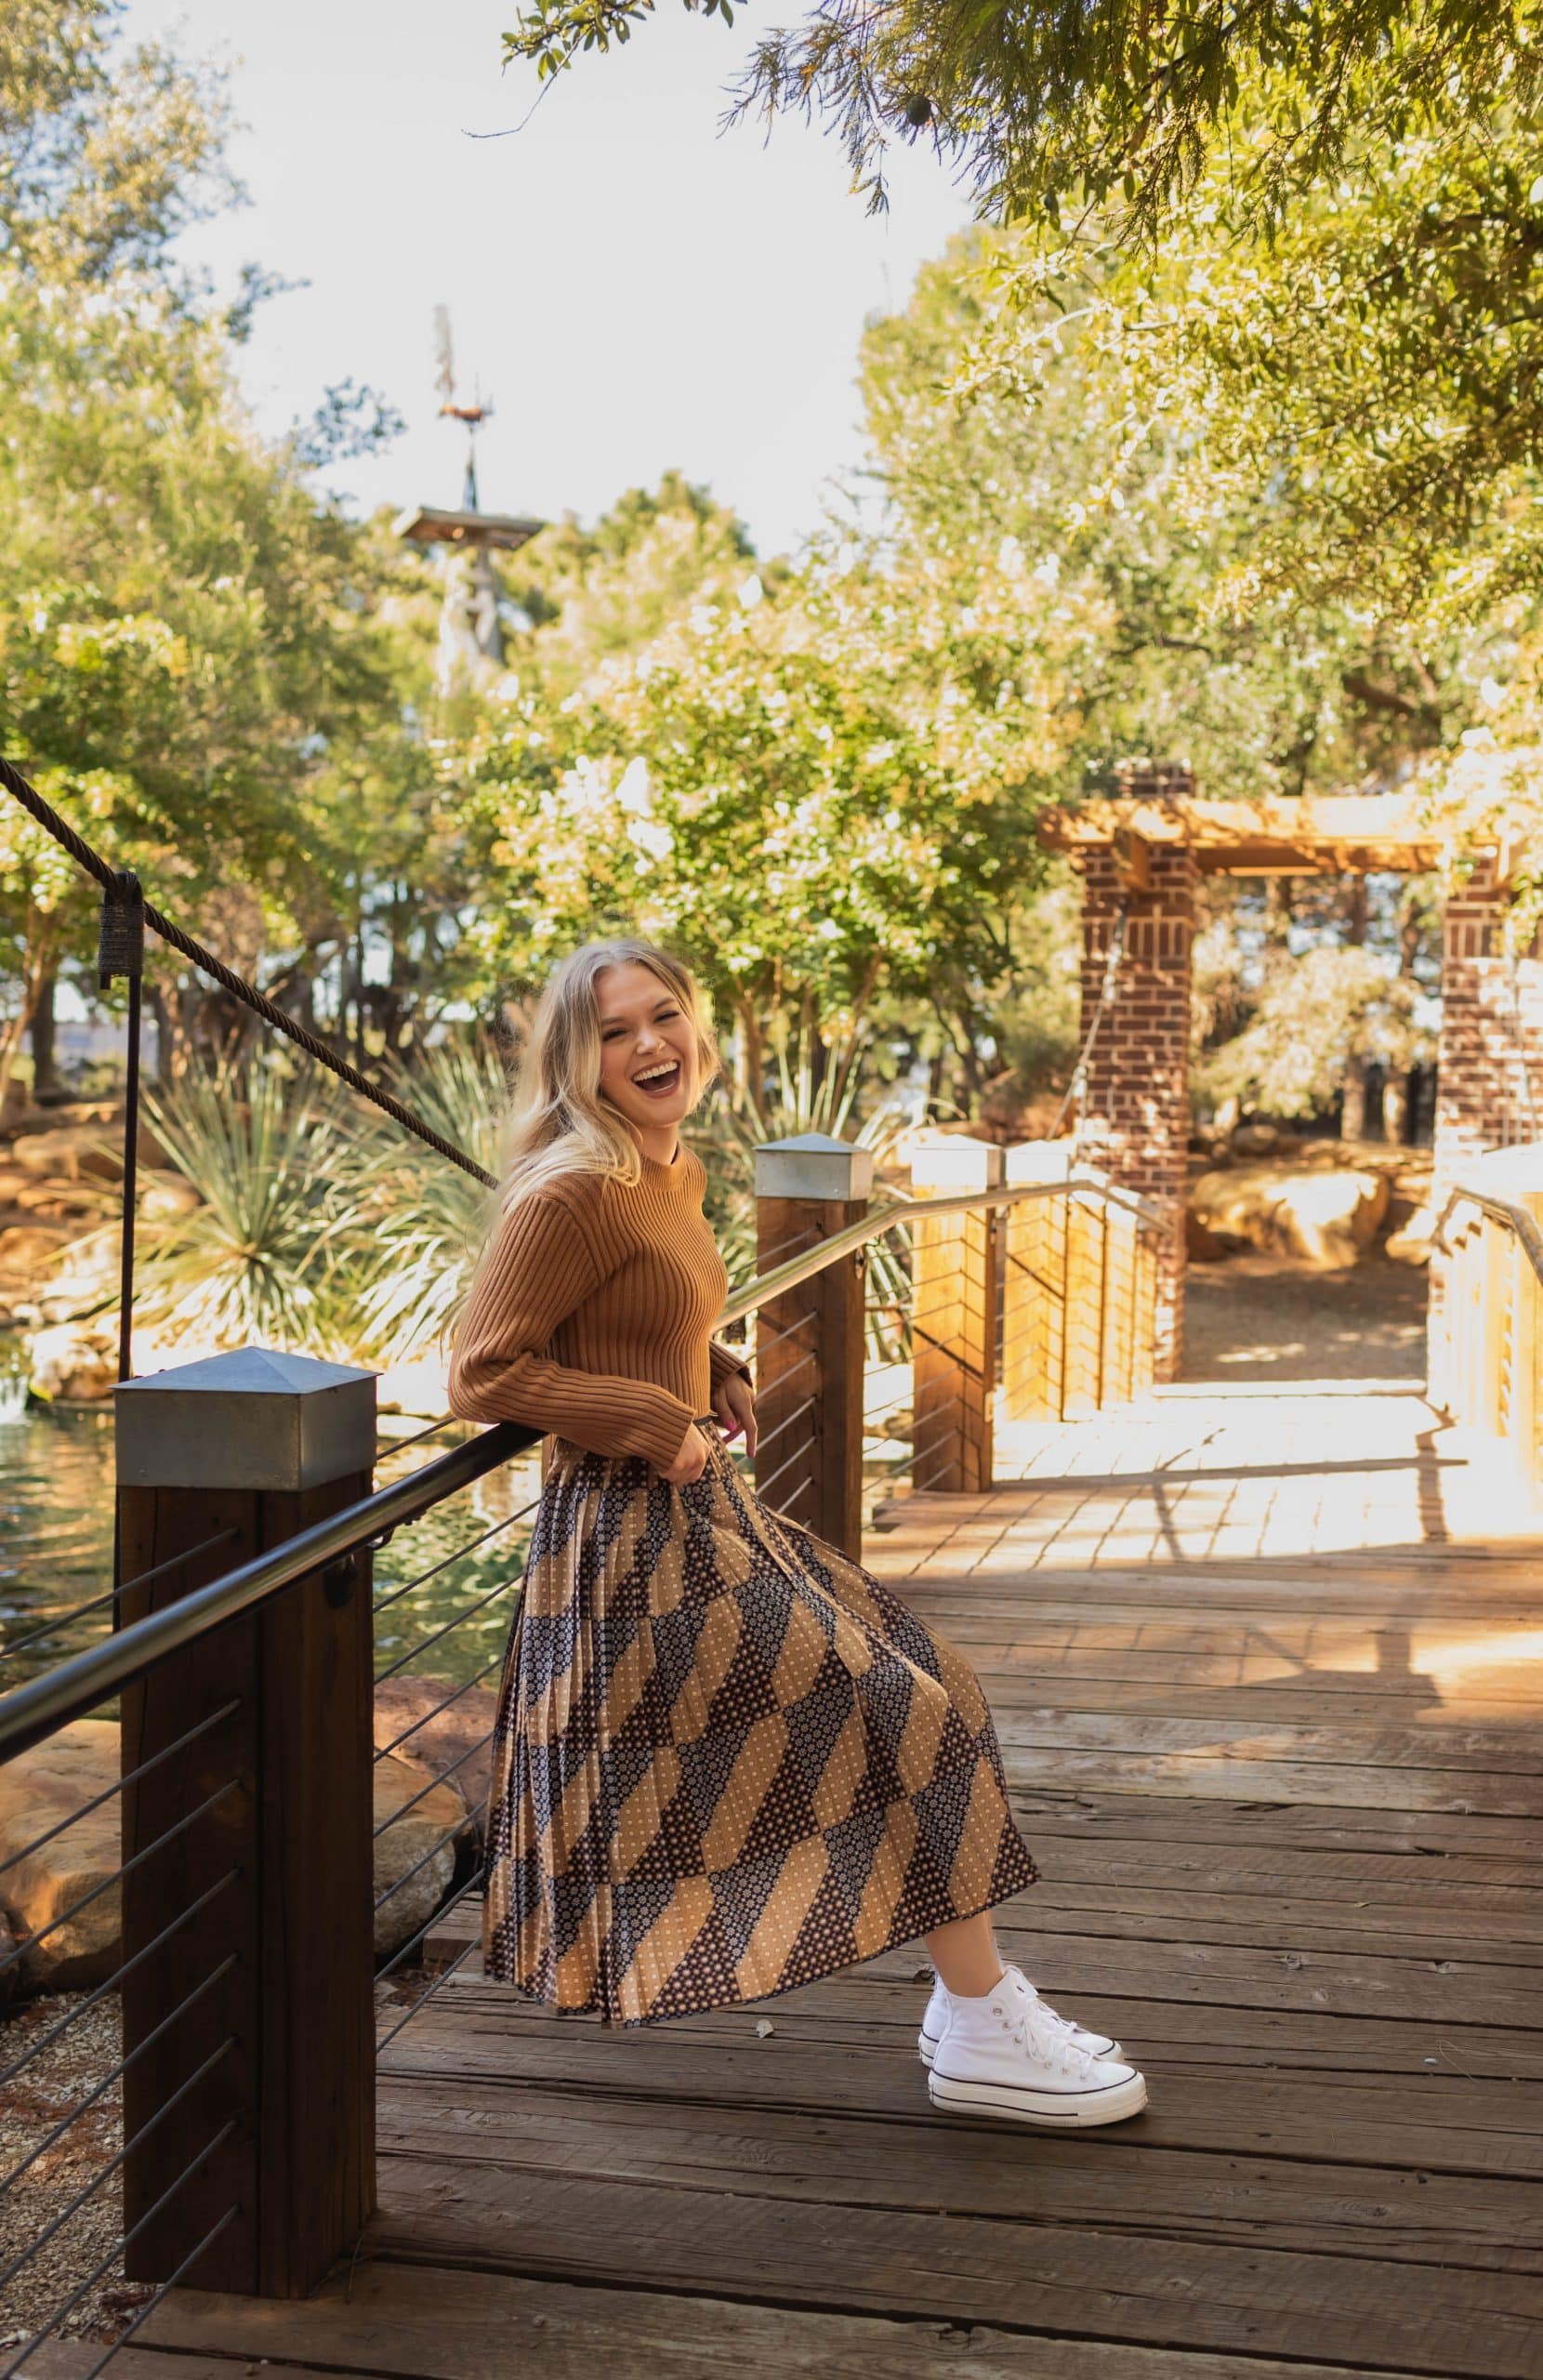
(1056, 2048)
(1050, 2016)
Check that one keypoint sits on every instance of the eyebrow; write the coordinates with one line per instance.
(669, 1000)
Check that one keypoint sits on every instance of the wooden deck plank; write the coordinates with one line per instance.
(1113, 2185)
(1268, 1725)
(941, 2265)
(392, 2320)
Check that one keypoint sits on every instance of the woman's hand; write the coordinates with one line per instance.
(691, 1460)
(734, 1407)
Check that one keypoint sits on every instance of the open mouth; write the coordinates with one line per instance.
(657, 1082)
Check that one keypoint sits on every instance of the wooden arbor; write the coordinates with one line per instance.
(1140, 857)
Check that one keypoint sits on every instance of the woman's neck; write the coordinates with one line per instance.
(658, 1142)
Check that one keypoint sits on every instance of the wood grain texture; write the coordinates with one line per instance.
(1278, 1767)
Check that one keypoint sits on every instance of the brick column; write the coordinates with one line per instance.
(1135, 1120)
(1489, 1056)
(1491, 1046)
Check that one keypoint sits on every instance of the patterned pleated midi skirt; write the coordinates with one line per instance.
(727, 1761)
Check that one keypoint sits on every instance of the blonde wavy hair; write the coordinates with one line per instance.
(562, 1121)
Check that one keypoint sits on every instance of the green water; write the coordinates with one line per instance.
(56, 1552)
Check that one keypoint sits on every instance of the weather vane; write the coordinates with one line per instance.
(472, 640)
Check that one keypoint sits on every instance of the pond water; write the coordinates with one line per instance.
(461, 1563)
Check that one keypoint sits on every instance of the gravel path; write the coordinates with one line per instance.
(54, 2085)
(1272, 1317)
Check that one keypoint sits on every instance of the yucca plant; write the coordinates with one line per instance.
(265, 1255)
(423, 1215)
(728, 1130)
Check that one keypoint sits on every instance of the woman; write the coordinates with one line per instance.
(727, 1760)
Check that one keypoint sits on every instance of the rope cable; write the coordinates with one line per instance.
(14, 782)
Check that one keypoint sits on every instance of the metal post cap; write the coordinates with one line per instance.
(956, 1163)
(814, 1164)
(255, 1417)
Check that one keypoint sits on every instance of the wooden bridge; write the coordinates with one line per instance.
(1266, 1667)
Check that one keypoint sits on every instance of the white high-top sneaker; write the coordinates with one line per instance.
(936, 2019)
(997, 2056)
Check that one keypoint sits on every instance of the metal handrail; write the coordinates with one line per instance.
(786, 1277)
(1504, 1210)
(33, 1710)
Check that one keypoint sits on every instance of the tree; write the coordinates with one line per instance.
(1118, 104)
(826, 799)
(593, 594)
(197, 653)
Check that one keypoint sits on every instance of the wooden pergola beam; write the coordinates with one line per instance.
(1334, 834)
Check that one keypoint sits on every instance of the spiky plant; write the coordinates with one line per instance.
(728, 1130)
(264, 1256)
(424, 1215)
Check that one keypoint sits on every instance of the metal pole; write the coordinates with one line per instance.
(121, 951)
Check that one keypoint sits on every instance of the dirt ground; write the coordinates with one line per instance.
(1270, 1317)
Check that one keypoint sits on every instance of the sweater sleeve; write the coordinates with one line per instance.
(539, 1267)
(726, 1362)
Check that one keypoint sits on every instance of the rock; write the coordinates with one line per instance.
(1410, 1244)
(27, 1249)
(398, 1851)
(62, 1202)
(1201, 1245)
(166, 1196)
(38, 1789)
(76, 1358)
(462, 1724)
(1255, 1140)
(68, 1153)
(1322, 1214)
(1329, 1218)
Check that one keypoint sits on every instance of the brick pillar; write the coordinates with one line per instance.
(1489, 1059)
(1135, 1121)
(1491, 1047)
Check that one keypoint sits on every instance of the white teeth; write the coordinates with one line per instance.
(653, 1073)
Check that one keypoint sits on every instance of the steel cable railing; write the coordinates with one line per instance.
(440, 1614)
(190, 2112)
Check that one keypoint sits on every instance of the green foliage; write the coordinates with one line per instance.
(419, 1218)
(1308, 1016)
(595, 594)
(261, 1258)
(848, 1102)
(1117, 104)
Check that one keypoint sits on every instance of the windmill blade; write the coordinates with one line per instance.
(445, 380)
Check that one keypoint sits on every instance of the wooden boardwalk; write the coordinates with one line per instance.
(1267, 1666)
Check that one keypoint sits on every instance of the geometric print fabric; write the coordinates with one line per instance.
(727, 1760)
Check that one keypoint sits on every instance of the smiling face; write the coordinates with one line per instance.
(648, 1053)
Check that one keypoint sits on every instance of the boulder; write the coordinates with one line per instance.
(1321, 1214)
(1255, 1140)
(166, 1196)
(436, 1826)
(1410, 1244)
(458, 1728)
(76, 1359)
(1204, 1246)
(40, 1788)
(37, 1789)
(27, 1249)
(68, 1153)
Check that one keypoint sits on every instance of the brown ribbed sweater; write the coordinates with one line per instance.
(591, 1315)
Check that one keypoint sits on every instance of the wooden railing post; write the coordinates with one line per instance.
(954, 1319)
(1034, 1309)
(809, 1342)
(258, 1444)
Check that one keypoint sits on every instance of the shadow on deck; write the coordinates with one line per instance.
(1267, 1681)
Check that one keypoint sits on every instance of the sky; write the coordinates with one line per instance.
(632, 288)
